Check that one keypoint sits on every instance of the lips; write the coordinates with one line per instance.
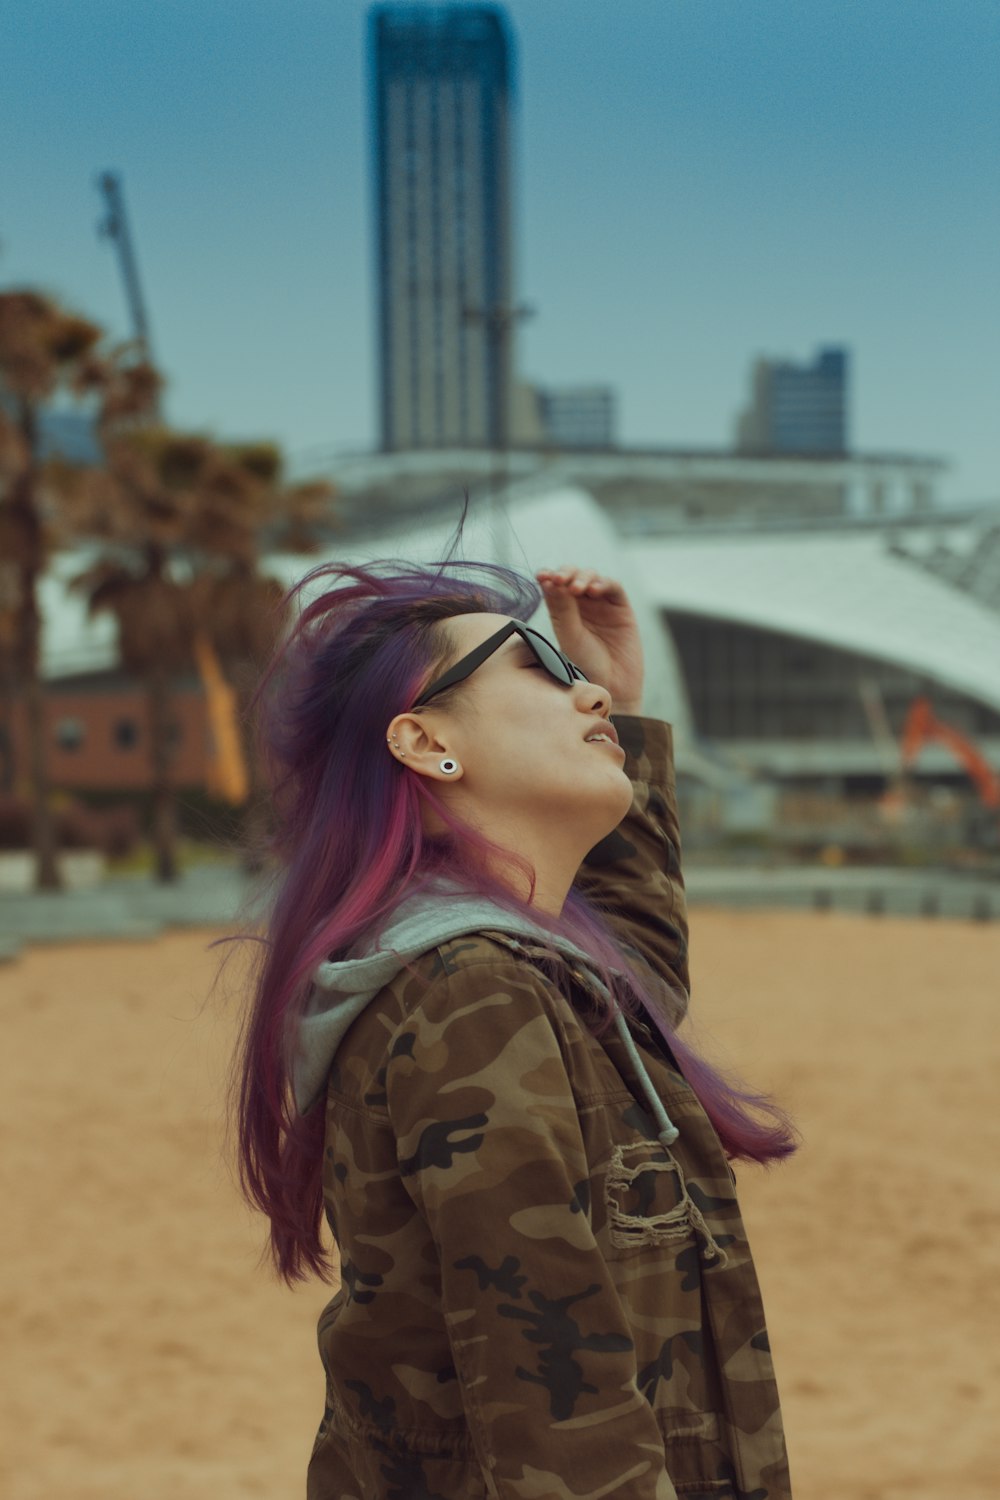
(603, 728)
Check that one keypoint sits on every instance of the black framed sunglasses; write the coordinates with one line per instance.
(558, 666)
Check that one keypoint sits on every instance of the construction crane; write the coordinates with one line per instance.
(114, 226)
(923, 725)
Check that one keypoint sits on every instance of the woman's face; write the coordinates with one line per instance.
(521, 741)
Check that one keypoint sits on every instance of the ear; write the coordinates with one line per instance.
(420, 743)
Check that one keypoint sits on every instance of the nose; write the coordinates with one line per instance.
(591, 698)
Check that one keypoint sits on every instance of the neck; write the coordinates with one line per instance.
(554, 852)
(554, 861)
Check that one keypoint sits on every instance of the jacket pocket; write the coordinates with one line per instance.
(696, 1462)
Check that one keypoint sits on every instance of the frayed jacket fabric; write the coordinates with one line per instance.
(539, 1298)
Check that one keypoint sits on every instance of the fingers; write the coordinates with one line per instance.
(577, 582)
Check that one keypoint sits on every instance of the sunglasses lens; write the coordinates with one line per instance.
(562, 670)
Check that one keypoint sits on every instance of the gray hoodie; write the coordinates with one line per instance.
(433, 915)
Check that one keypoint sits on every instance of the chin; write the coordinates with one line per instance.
(617, 805)
(627, 793)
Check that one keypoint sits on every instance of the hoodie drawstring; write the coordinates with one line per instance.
(667, 1131)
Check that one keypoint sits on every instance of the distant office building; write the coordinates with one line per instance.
(442, 84)
(564, 417)
(797, 408)
(582, 416)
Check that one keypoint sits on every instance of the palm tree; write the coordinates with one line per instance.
(43, 350)
(138, 507)
(165, 503)
(166, 498)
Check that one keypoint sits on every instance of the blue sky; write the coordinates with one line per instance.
(698, 182)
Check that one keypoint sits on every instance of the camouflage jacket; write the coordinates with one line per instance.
(538, 1298)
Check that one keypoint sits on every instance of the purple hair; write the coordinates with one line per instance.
(348, 842)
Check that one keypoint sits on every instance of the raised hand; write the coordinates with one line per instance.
(596, 628)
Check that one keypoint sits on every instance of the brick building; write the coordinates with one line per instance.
(97, 731)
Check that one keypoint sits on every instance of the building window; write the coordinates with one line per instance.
(69, 734)
(125, 734)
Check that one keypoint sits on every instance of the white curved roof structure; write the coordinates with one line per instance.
(847, 591)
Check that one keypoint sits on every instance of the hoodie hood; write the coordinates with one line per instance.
(435, 914)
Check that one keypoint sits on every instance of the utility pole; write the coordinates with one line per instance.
(498, 322)
(114, 226)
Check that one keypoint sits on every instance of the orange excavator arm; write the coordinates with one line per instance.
(923, 725)
(226, 772)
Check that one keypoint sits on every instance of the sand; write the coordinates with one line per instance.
(147, 1356)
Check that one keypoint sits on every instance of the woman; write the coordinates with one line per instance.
(462, 1055)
